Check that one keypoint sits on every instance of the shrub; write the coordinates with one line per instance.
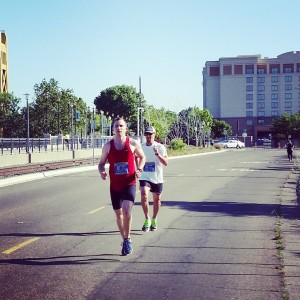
(177, 144)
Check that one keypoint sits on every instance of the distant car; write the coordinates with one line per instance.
(234, 144)
(220, 142)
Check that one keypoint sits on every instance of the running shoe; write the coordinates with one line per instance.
(127, 247)
(146, 226)
(153, 226)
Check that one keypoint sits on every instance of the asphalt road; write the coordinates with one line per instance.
(215, 238)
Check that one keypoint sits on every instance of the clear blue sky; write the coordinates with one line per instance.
(90, 45)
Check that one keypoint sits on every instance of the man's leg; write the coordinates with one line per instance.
(156, 204)
(144, 200)
(145, 205)
(127, 218)
(120, 222)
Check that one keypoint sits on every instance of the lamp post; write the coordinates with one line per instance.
(109, 119)
(139, 117)
(58, 115)
(27, 122)
(196, 136)
(101, 112)
(47, 112)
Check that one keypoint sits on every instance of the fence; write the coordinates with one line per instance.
(51, 144)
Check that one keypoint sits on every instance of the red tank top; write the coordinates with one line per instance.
(121, 166)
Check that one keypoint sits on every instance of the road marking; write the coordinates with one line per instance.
(20, 245)
(95, 210)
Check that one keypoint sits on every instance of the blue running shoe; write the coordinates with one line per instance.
(127, 247)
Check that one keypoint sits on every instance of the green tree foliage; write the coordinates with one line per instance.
(218, 127)
(286, 125)
(12, 121)
(54, 110)
(119, 100)
(192, 125)
(161, 119)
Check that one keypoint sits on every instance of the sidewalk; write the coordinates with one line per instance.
(290, 226)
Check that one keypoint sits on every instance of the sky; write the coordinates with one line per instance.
(91, 45)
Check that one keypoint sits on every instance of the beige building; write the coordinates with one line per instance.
(3, 63)
(249, 91)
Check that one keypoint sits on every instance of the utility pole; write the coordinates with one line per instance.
(27, 119)
(140, 112)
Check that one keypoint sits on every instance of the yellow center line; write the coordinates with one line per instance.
(95, 210)
(20, 245)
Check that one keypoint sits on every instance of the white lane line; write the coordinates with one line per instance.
(95, 210)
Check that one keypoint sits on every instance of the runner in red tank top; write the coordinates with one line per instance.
(121, 166)
(120, 153)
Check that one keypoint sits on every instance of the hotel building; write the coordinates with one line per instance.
(249, 91)
(3, 63)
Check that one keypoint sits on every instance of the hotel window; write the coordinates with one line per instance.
(288, 68)
(274, 113)
(274, 79)
(261, 122)
(249, 69)
(249, 113)
(238, 69)
(299, 78)
(261, 88)
(261, 79)
(274, 68)
(249, 88)
(261, 113)
(274, 104)
(261, 105)
(249, 96)
(288, 87)
(288, 78)
(249, 105)
(261, 97)
(214, 71)
(274, 96)
(260, 71)
(250, 122)
(298, 68)
(227, 70)
(288, 104)
(274, 87)
(289, 112)
(288, 96)
(249, 79)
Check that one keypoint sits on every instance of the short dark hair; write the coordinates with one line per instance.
(119, 119)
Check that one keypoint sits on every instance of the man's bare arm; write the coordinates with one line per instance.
(103, 160)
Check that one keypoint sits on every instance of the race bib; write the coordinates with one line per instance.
(149, 167)
(121, 168)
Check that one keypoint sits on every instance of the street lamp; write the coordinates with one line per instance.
(27, 122)
(139, 116)
(58, 116)
(47, 112)
(101, 112)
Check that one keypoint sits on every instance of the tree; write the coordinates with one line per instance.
(286, 125)
(12, 124)
(161, 119)
(120, 100)
(54, 111)
(219, 126)
(192, 125)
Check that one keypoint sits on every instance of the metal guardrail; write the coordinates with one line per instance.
(23, 145)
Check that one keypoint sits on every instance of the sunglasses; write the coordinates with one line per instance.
(148, 133)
